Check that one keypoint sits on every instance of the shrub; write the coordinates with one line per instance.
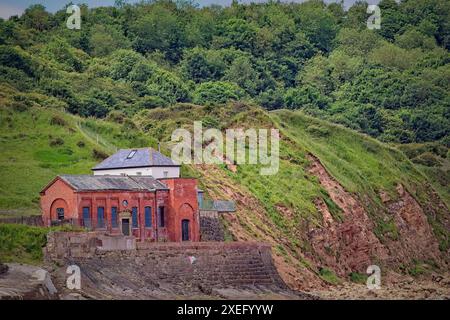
(428, 159)
(56, 142)
(116, 116)
(14, 57)
(98, 154)
(150, 102)
(81, 144)
(58, 121)
(21, 243)
(318, 131)
(328, 276)
(357, 277)
(217, 92)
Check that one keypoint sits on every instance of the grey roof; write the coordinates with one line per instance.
(218, 205)
(144, 157)
(95, 183)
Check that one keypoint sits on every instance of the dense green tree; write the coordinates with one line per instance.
(122, 63)
(159, 29)
(36, 17)
(16, 58)
(106, 39)
(392, 83)
(216, 92)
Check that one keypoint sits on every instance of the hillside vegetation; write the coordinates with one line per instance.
(283, 208)
(39, 142)
(363, 116)
(391, 83)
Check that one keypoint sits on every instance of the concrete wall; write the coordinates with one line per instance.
(156, 172)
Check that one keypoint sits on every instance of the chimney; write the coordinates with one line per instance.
(159, 147)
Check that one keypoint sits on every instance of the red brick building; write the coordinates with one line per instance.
(150, 209)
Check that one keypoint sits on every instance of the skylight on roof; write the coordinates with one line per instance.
(131, 154)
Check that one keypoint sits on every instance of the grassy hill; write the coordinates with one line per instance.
(40, 142)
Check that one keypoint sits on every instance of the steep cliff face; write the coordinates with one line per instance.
(347, 245)
(416, 238)
(351, 244)
(343, 244)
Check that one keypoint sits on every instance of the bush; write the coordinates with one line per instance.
(81, 144)
(54, 142)
(318, 131)
(57, 120)
(217, 92)
(116, 116)
(428, 159)
(16, 58)
(98, 154)
(150, 102)
(21, 243)
(357, 277)
(328, 276)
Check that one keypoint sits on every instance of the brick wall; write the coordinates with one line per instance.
(211, 228)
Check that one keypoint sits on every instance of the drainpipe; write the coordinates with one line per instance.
(156, 215)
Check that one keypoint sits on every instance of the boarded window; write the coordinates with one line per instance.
(100, 217)
(60, 213)
(161, 220)
(134, 217)
(148, 217)
(114, 221)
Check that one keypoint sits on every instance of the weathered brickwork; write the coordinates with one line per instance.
(211, 228)
(178, 201)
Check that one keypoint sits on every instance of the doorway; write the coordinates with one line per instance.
(185, 230)
(126, 227)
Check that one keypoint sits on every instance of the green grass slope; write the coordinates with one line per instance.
(363, 165)
(38, 143)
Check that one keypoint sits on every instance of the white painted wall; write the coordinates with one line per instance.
(156, 172)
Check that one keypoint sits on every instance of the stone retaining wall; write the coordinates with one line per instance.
(64, 245)
(184, 268)
(211, 228)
